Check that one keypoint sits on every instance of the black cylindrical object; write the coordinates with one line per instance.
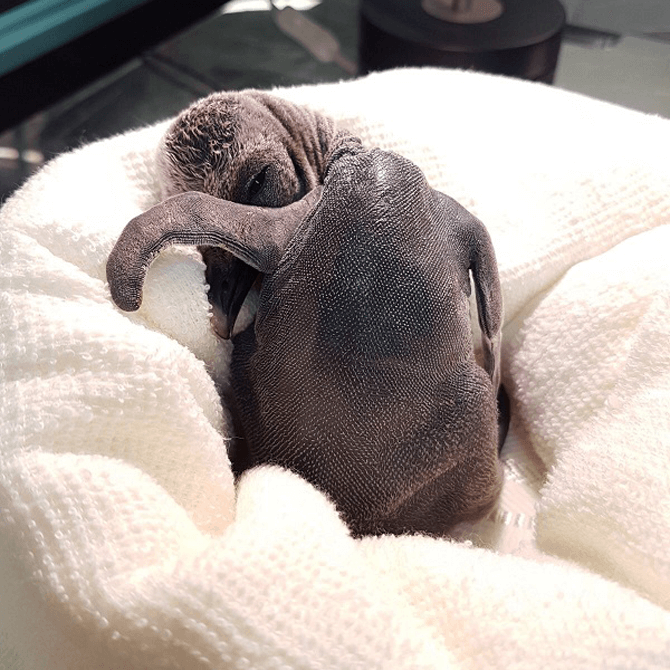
(521, 40)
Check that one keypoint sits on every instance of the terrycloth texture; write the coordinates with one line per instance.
(120, 543)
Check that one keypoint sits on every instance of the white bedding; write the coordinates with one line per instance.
(123, 543)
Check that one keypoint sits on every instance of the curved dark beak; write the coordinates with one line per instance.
(229, 280)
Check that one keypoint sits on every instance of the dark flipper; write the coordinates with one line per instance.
(258, 236)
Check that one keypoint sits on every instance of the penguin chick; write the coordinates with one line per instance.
(359, 372)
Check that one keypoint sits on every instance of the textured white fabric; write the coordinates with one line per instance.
(122, 541)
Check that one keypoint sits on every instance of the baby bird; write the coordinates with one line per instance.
(359, 372)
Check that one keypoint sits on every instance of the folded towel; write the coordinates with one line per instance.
(603, 375)
(123, 543)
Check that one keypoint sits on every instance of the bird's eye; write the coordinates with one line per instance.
(256, 184)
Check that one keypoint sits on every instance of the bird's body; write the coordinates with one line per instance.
(359, 371)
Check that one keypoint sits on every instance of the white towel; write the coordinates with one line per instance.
(123, 543)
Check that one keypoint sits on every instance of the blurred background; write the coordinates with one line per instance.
(73, 71)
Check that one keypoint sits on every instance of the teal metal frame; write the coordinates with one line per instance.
(37, 27)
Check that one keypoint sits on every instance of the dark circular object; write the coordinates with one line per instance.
(522, 41)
